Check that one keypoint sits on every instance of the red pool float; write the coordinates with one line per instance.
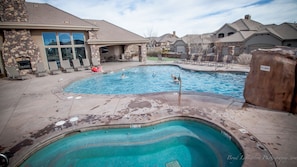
(94, 69)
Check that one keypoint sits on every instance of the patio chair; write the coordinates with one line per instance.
(40, 70)
(95, 61)
(190, 59)
(86, 63)
(14, 73)
(195, 59)
(76, 65)
(53, 67)
(65, 65)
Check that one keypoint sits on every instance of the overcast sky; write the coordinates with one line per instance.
(158, 17)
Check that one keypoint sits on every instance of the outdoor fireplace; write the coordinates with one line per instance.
(24, 63)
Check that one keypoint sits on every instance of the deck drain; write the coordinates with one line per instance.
(173, 164)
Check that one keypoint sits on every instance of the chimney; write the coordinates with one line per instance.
(247, 17)
(174, 34)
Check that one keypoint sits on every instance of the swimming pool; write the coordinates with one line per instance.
(175, 143)
(151, 79)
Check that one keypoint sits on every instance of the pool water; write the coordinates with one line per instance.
(151, 79)
(179, 142)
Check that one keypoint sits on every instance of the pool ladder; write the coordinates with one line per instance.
(3, 160)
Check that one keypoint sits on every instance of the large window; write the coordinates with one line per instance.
(64, 46)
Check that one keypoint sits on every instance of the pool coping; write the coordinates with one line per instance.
(254, 155)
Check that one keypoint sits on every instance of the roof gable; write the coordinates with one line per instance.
(246, 25)
(198, 38)
(226, 26)
(109, 33)
(239, 36)
(167, 38)
(45, 14)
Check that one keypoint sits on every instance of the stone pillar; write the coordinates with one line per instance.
(95, 51)
(271, 82)
(143, 53)
(17, 43)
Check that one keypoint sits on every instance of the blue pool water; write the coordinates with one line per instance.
(151, 79)
(182, 142)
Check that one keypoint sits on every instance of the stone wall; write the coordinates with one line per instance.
(13, 11)
(272, 79)
(18, 44)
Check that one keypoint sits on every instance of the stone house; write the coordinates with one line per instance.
(245, 35)
(39, 32)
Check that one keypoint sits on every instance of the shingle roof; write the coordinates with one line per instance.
(246, 25)
(111, 34)
(239, 36)
(198, 38)
(286, 31)
(167, 38)
(45, 16)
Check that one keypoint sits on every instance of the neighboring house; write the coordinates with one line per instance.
(39, 32)
(245, 35)
(199, 43)
(179, 47)
(166, 40)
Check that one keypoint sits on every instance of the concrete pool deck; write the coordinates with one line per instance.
(31, 108)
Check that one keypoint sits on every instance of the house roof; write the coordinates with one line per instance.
(171, 38)
(198, 38)
(286, 31)
(246, 25)
(238, 36)
(45, 16)
(111, 34)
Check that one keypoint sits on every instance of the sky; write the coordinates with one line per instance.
(157, 17)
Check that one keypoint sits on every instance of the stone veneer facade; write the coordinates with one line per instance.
(18, 43)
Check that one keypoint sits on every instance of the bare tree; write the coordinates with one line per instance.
(150, 34)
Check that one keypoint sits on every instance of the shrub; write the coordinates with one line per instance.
(244, 59)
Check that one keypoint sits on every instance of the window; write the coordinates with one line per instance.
(49, 38)
(80, 54)
(52, 54)
(67, 53)
(221, 35)
(64, 46)
(230, 33)
(78, 38)
(64, 38)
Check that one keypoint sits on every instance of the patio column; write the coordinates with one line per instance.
(95, 51)
(143, 53)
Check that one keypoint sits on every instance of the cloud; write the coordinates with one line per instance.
(184, 17)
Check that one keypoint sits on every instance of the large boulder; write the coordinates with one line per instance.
(272, 79)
